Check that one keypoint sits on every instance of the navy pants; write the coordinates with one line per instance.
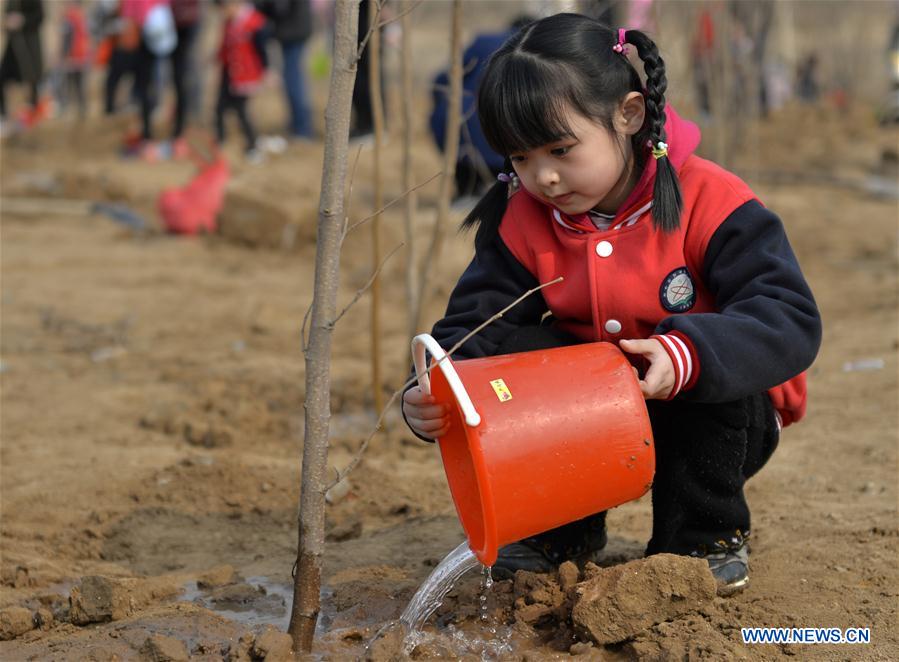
(705, 452)
(295, 89)
(229, 101)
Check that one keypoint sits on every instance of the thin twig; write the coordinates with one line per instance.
(379, 5)
(303, 329)
(349, 193)
(367, 285)
(392, 202)
(400, 15)
(478, 328)
(357, 458)
(381, 24)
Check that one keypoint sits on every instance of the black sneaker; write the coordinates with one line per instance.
(729, 562)
(579, 542)
(525, 555)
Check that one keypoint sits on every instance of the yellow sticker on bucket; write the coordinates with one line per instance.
(502, 391)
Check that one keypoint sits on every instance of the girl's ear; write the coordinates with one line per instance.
(631, 112)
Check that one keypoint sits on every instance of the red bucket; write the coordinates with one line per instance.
(538, 439)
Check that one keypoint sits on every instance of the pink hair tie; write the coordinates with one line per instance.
(620, 46)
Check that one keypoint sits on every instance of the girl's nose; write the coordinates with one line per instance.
(547, 177)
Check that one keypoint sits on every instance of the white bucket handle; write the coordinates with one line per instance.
(425, 341)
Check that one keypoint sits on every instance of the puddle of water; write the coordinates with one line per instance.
(256, 603)
(430, 596)
(498, 645)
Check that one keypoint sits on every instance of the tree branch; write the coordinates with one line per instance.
(349, 193)
(392, 19)
(303, 338)
(380, 5)
(367, 285)
(392, 202)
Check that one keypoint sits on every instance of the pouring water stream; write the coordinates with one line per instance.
(431, 593)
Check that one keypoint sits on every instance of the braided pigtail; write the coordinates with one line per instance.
(489, 211)
(666, 194)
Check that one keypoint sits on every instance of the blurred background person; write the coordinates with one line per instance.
(363, 122)
(889, 113)
(186, 15)
(291, 22)
(808, 89)
(702, 55)
(118, 40)
(157, 38)
(75, 58)
(243, 61)
(23, 60)
(477, 165)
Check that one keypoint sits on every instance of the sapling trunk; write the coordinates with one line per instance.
(307, 582)
(412, 276)
(377, 111)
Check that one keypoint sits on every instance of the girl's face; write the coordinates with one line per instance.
(594, 169)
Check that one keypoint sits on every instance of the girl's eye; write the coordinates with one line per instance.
(516, 159)
(560, 151)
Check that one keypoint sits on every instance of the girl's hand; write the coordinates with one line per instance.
(424, 415)
(659, 379)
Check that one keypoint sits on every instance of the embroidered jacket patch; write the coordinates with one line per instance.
(677, 293)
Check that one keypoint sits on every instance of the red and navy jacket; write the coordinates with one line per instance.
(723, 293)
(242, 52)
(76, 41)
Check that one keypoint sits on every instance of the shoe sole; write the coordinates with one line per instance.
(726, 590)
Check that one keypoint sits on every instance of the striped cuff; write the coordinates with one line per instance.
(683, 357)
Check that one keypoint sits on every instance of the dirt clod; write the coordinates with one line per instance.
(239, 651)
(97, 599)
(43, 618)
(387, 645)
(14, 622)
(160, 648)
(217, 576)
(568, 575)
(624, 600)
(273, 646)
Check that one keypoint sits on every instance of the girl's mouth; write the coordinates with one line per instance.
(562, 199)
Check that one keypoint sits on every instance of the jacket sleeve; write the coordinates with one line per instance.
(767, 329)
(493, 280)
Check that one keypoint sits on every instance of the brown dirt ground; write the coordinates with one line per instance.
(152, 393)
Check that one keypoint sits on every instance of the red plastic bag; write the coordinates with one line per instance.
(193, 209)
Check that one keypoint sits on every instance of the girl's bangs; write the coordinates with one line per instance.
(522, 108)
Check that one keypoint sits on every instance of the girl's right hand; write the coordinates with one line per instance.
(424, 415)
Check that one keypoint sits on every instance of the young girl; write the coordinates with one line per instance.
(663, 253)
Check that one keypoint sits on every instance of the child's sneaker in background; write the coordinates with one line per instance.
(180, 149)
(271, 144)
(254, 156)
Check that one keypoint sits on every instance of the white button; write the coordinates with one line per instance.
(604, 249)
(613, 326)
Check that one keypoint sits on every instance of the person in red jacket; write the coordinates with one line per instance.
(243, 60)
(663, 253)
(76, 55)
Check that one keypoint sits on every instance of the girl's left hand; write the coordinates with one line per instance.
(659, 379)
